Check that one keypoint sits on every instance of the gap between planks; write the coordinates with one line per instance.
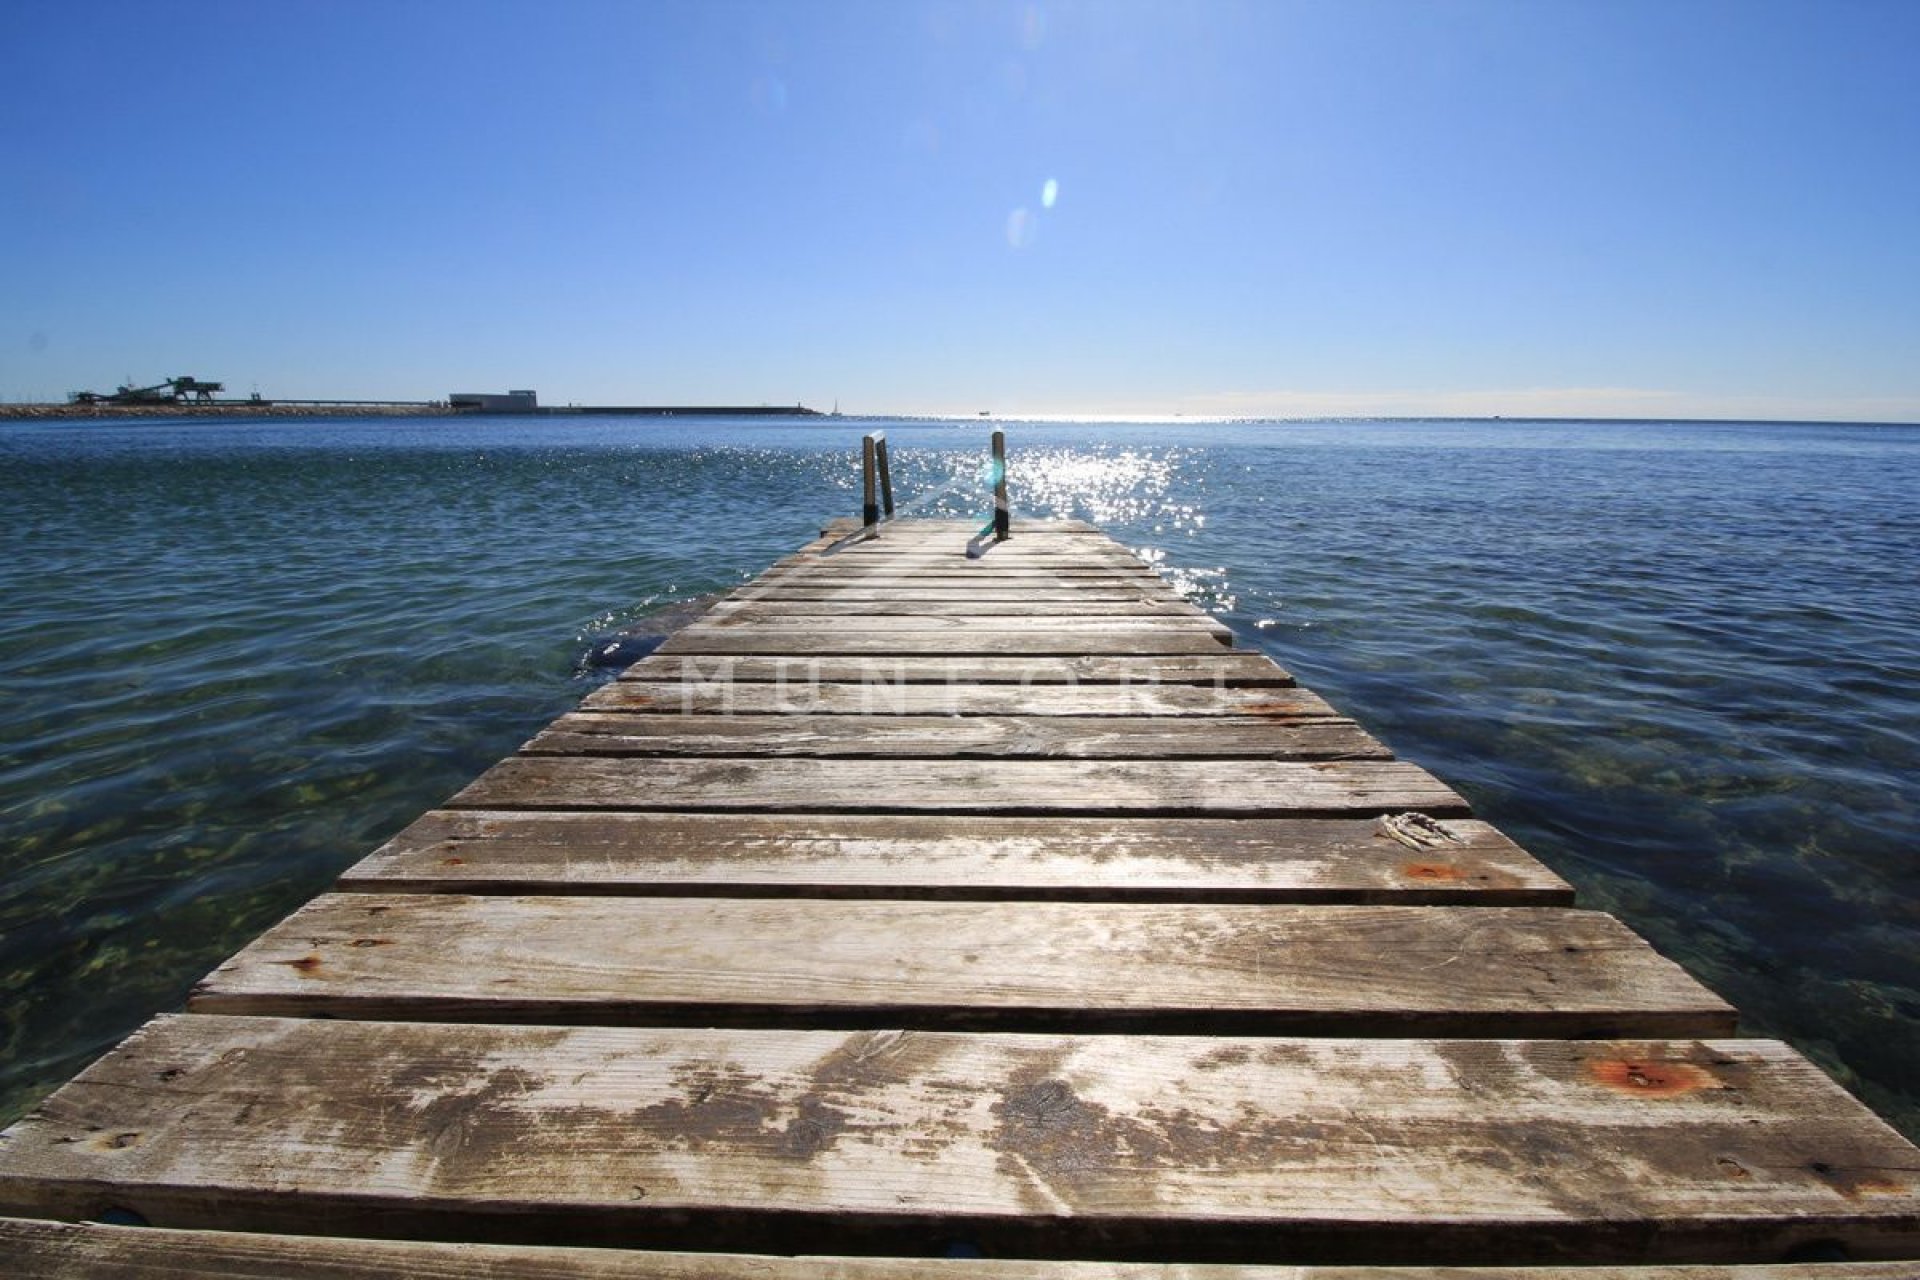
(40, 1250)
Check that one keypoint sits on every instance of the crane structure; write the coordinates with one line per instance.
(171, 391)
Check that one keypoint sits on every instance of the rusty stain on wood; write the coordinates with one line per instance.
(1386, 1150)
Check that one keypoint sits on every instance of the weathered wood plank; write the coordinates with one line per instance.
(889, 574)
(868, 557)
(1179, 1148)
(1233, 669)
(841, 526)
(982, 585)
(799, 695)
(1052, 572)
(909, 542)
(966, 625)
(1251, 788)
(912, 536)
(964, 593)
(990, 737)
(1123, 613)
(898, 565)
(973, 642)
(1111, 556)
(1027, 966)
(1319, 860)
(970, 608)
(42, 1250)
(1052, 551)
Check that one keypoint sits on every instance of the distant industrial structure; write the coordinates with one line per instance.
(189, 393)
(172, 391)
(486, 402)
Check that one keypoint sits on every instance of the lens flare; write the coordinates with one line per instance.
(1020, 227)
(1033, 28)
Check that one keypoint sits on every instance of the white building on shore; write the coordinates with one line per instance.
(487, 402)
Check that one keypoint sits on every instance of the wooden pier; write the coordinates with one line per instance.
(930, 915)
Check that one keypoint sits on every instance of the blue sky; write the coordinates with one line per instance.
(1677, 208)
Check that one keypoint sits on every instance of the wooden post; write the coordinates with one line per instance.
(870, 508)
(879, 439)
(1002, 520)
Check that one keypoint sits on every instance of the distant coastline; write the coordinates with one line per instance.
(244, 410)
(269, 409)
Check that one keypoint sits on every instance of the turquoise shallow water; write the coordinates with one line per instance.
(1680, 662)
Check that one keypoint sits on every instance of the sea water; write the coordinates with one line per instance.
(1679, 662)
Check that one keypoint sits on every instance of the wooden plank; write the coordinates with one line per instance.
(967, 593)
(1057, 555)
(957, 572)
(41, 1250)
(957, 625)
(965, 526)
(989, 737)
(1019, 623)
(1320, 860)
(975, 642)
(1177, 1148)
(1251, 788)
(842, 609)
(841, 526)
(1204, 968)
(1045, 568)
(1002, 584)
(1006, 553)
(799, 695)
(1031, 551)
(1233, 669)
(1004, 556)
